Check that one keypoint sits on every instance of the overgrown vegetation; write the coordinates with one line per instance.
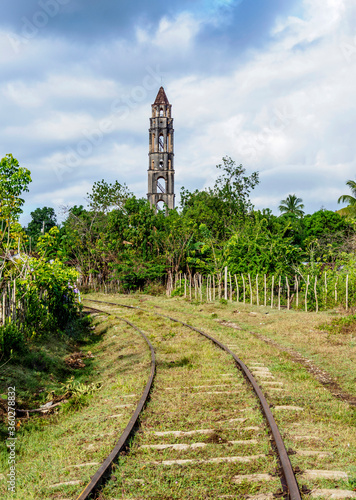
(38, 292)
(120, 239)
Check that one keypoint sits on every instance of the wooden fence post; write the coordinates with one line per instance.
(272, 290)
(250, 286)
(265, 287)
(347, 292)
(237, 289)
(214, 288)
(185, 286)
(244, 289)
(230, 287)
(257, 294)
(279, 294)
(316, 295)
(288, 293)
(225, 283)
(296, 286)
(306, 295)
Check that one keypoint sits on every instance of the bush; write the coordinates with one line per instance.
(11, 339)
(155, 289)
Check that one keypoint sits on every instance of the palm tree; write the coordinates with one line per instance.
(347, 198)
(292, 205)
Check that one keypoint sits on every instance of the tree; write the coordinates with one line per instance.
(256, 250)
(105, 196)
(292, 206)
(14, 180)
(223, 207)
(328, 233)
(43, 219)
(233, 187)
(351, 200)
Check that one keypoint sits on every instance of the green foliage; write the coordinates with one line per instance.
(221, 208)
(49, 244)
(325, 222)
(350, 199)
(50, 294)
(11, 339)
(233, 186)
(105, 196)
(179, 291)
(292, 206)
(76, 388)
(339, 325)
(256, 250)
(43, 219)
(14, 180)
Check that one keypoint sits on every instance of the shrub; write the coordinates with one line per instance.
(11, 339)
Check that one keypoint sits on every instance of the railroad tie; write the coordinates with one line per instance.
(332, 494)
(216, 460)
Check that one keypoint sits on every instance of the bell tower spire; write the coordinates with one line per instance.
(161, 153)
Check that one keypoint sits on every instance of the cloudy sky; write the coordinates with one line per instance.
(269, 83)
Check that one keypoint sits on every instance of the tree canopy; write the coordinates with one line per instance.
(292, 205)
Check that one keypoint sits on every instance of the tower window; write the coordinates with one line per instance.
(161, 112)
(161, 185)
(160, 205)
(161, 143)
(161, 165)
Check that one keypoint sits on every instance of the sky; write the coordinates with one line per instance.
(270, 84)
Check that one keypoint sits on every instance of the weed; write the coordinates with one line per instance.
(11, 339)
(344, 324)
(76, 403)
(78, 389)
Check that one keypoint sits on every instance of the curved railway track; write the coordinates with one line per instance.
(288, 480)
(105, 468)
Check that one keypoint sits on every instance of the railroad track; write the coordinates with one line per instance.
(202, 435)
(105, 468)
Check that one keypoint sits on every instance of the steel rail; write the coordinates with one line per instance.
(289, 476)
(104, 469)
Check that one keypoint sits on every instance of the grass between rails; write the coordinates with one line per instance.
(186, 397)
(326, 424)
(85, 429)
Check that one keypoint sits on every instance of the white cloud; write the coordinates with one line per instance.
(285, 110)
(172, 34)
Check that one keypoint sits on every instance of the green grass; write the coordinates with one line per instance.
(329, 420)
(82, 430)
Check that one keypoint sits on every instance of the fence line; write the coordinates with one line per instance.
(309, 293)
(11, 309)
(337, 290)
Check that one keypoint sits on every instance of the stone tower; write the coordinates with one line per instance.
(161, 153)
